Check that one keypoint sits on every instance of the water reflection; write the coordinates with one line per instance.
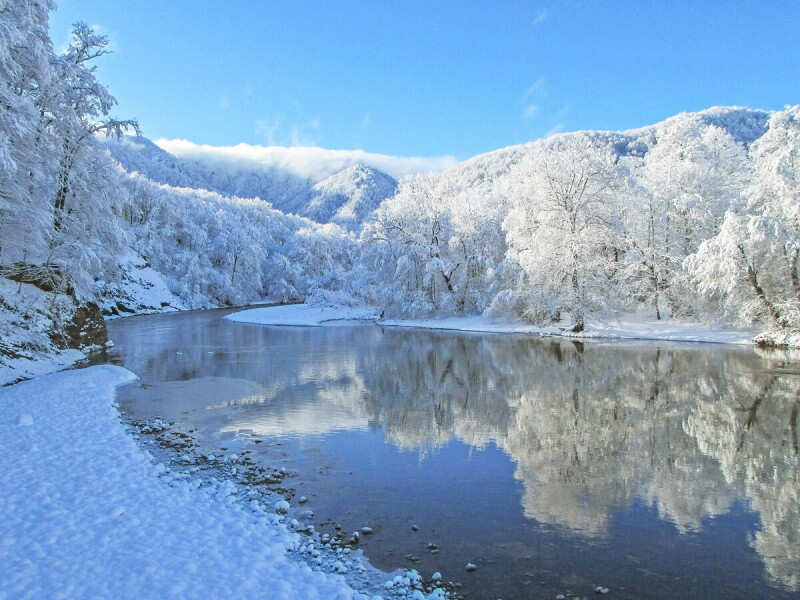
(592, 428)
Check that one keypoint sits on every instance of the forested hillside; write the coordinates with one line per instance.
(697, 217)
(79, 234)
(340, 191)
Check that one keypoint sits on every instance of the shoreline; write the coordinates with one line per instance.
(630, 327)
(277, 314)
(23, 368)
(106, 510)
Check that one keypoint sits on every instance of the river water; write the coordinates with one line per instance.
(656, 470)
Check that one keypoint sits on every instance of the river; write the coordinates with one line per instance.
(655, 470)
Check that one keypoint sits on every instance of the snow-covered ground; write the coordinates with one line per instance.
(26, 323)
(302, 315)
(16, 369)
(628, 327)
(88, 514)
(142, 290)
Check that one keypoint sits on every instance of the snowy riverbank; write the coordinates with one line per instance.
(302, 315)
(41, 332)
(87, 513)
(630, 327)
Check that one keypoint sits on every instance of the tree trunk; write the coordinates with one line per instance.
(752, 276)
(447, 277)
(579, 308)
(64, 168)
(654, 281)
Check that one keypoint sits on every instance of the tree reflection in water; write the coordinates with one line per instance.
(592, 427)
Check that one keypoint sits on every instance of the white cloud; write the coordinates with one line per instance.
(366, 121)
(532, 98)
(272, 130)
(530, 111)
(304, 134)
(268, 129)
(306, 161)
(298, 138)
(540, 17)
(537, 88)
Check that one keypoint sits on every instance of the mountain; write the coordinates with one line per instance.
(479, 173)
(346, 196)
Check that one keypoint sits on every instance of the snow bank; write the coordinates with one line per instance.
(28, 318)
(302, 315)
(779, 339)
(140, 289)
(17, 369)
(88, 514)
(636, 328)
(628, 327)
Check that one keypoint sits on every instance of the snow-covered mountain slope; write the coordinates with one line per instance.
(345, 195)
(745, 125)
(140, 155)
(668, 218)
(345, 192)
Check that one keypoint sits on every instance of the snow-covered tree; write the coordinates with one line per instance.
(743, 267)
(562, 228)
(692, 174)
(751, 265)
(432, 248)
(80, 110)
(26, 151)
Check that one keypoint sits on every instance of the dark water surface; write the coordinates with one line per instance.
(658, 470)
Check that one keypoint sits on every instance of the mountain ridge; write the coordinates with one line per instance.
(348, 193)
(345, 197)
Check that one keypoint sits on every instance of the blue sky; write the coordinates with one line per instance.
(433, 78)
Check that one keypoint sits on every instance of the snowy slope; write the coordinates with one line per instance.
(745, 124)
(478, 173)
(140, 155)
(346, 190)
(347, 197)
(342, 193)
(489, 233)
(629, 327)
(30, 321)
(88, 514)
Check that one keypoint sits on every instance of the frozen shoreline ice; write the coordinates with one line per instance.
(632, 327)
